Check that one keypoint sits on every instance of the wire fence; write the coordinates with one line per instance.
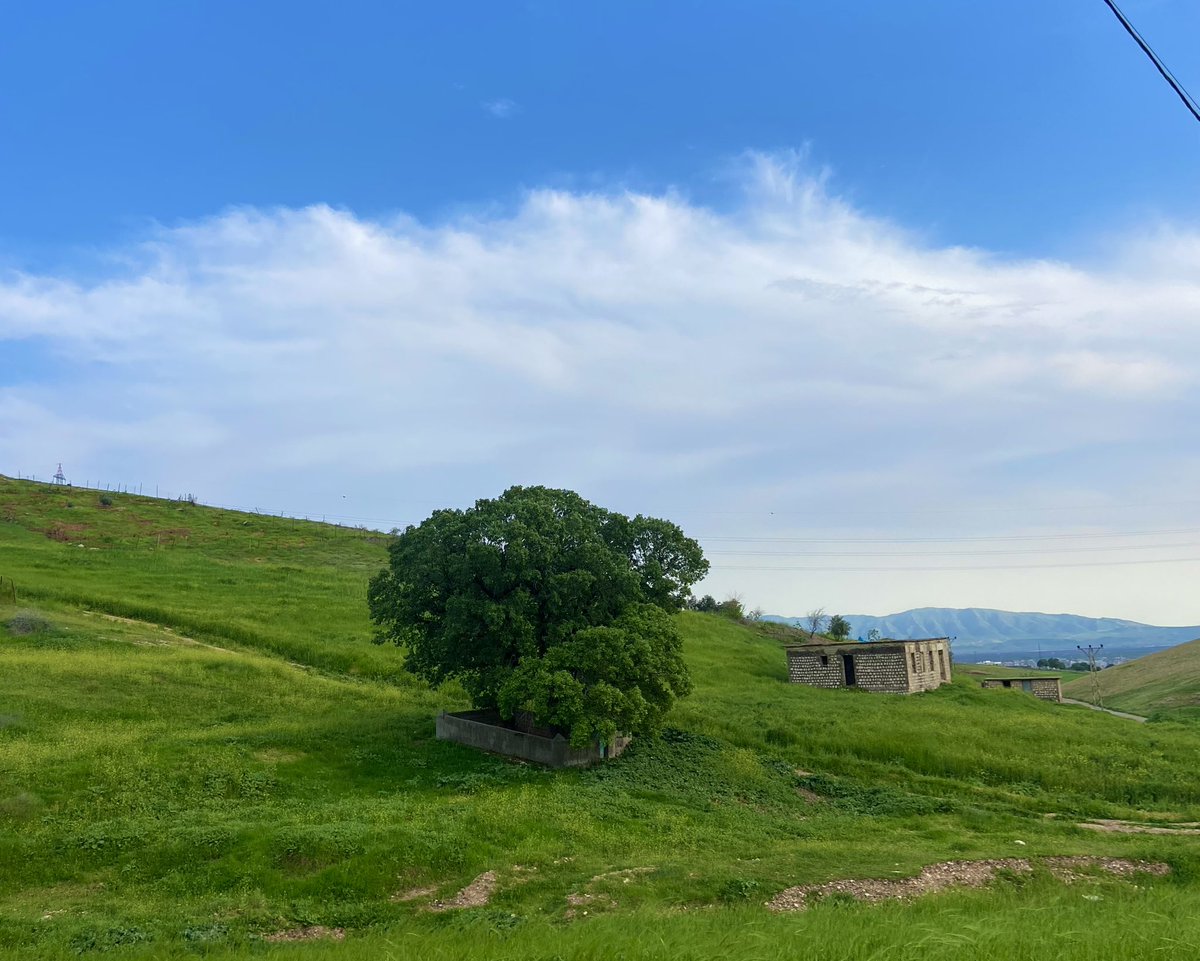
(162, 493)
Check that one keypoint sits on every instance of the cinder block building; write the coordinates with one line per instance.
(1046, 688)
(890, 667)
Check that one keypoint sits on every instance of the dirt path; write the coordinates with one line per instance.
(956, 874)
(173, 636)
(1135, 827)
(1095, 707)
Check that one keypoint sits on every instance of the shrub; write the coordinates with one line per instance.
(27, 622)
(738, 889)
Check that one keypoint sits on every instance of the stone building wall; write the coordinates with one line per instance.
(816, 668)
(896, 667)
(881, 670)
(1045, 688)
(929, 664)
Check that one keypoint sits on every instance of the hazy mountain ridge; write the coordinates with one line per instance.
(983, 630)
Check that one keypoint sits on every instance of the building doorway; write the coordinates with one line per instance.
(848, 669)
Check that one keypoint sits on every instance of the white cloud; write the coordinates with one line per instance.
(502, 108)
(793, 356)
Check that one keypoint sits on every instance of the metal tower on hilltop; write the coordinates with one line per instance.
(59, 477)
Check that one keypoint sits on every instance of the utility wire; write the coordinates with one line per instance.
(1086, 535)
(1169, 77)
(1103, 549)
(948, 570)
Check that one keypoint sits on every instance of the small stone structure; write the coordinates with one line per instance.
(487, 731)
(1041, 686)
(892, 667)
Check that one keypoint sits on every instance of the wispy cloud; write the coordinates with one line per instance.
(502, 109)
(794, 356)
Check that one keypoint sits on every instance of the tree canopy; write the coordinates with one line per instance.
(540, 601)
(839, 628)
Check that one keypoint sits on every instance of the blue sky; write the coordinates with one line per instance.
(816, 280)
(1021, 127)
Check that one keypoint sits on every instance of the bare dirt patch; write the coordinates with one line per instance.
(1133, 827)
(475, 895)
(589, 899)
(626, 874)
(278, 755)
(954, 874)
(313, 932)
(1068, 868)
(412, 894)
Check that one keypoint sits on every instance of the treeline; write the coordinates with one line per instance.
(1057, 664)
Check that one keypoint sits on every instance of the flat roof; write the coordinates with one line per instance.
(884, 641)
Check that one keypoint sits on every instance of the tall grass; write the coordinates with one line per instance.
(160, 797)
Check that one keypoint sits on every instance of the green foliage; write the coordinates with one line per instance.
(732, 608)
(872, 799)
(27, 622)
(1054, 664)
(739, 889)
(603, 681)
(539, 601)
(839, 628)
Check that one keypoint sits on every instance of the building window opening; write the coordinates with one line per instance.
(824, 660)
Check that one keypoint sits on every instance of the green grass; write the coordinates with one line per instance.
(980, 671)
(294, 588)
(1167, 682)
(187, 764)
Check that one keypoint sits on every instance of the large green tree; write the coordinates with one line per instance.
(540, 601)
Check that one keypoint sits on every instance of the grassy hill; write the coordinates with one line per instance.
(201, 751)
(1168, 681)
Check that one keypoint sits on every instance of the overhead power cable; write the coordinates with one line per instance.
(980, 538)
(947, 570)
(1103, 549)
(1188, 100)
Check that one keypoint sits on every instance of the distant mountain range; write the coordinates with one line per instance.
(980, 632)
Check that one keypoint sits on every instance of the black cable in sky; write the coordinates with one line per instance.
(1169, 77)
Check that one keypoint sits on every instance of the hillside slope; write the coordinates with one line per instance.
(1166, 681)
(200, 747)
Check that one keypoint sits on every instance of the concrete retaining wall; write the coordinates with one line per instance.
(486, 731)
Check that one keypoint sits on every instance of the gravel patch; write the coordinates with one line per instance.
(1132, 827)
(313, 932)
(476, 894)
(954, 874)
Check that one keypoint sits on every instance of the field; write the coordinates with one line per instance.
(980, 671)
(201, 752)
(1166, 683)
